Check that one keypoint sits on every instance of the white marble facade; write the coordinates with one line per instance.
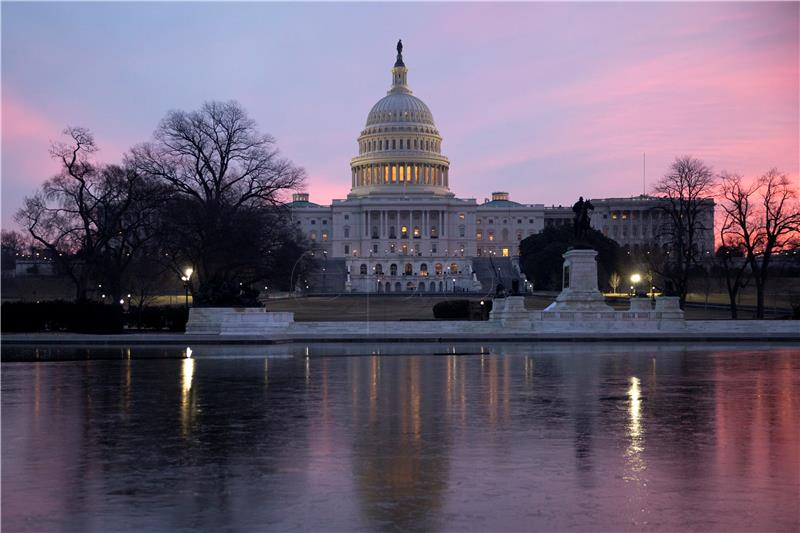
(401, 228)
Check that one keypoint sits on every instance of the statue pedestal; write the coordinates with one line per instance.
(510, 311)
(579, 282)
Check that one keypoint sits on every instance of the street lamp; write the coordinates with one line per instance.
(186, 278)
(635, 279)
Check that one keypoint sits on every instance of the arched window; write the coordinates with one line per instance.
(433, 286)
(379, 269)
(313, 235)
(388, 286)
(437, 268)
(454, 268)
(491, 235)
(421, 287)
(398, 287)
(393, 269)
(408, 269)
(423, 269)
(410, 286)
(363, 269)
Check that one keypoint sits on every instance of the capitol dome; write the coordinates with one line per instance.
(400, 107)
(400, 147)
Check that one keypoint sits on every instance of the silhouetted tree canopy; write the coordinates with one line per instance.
(226, 183)
(541, 255)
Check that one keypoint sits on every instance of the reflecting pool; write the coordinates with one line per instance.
(341, 437)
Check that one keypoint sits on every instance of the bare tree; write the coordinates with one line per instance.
(687, 191)
(85, 215)
(763, 217)
(225, 181)
(614, 281)
(60, 215)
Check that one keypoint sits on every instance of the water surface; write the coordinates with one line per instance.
(402, 437)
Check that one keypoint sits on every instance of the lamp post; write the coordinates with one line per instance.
(186, 278)
(635, 278)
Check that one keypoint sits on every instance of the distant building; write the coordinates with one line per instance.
(401, 229)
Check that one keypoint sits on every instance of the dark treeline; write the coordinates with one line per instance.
(206, 194)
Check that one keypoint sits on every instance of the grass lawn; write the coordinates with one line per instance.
(404, 308)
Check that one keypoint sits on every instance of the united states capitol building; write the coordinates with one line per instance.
(401, 228)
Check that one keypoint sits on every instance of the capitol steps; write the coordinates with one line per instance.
(505, 270)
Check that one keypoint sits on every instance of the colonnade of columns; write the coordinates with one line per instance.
(400, 173)
(430, 223)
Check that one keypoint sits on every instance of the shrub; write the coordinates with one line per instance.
(78, 317)
(171, 318)
(462, 310)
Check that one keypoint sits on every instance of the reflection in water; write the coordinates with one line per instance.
(187, 375)
(586, 438)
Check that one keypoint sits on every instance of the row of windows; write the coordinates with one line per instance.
(490, 235)
(408, 269)
(412, 286)
(380, 145)
(404, 116)
(404, 249)
(505, 221)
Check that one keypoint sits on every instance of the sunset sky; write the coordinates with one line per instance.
(547, 101)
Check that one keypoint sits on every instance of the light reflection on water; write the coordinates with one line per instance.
(544, 437)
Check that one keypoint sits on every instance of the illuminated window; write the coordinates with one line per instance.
(491, 236)
(408, 269)
(437, 268)
(478, 235)
(313, 235)
(461, 216)
(394, 173)
(505, 252)
(416, 232)
(324, 235)
(454, 268)
(423, 270)
(403, 231)
(613, 215)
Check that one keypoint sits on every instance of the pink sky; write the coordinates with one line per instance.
(546, 101)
